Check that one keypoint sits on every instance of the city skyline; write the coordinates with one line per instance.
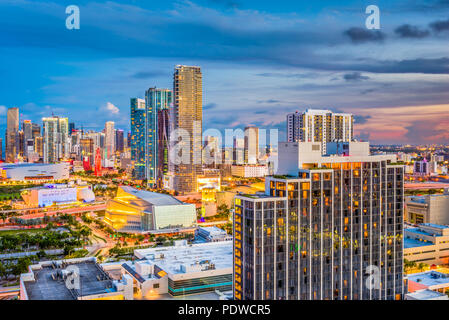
(286, 57)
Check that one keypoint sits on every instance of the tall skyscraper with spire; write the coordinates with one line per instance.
(187, 119)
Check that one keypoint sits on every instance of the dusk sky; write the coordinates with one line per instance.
(260, 60)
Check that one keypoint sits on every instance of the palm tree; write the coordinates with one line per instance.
(421, 266)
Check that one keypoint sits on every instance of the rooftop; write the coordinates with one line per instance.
(426, 294)
(419, 232)
(412, 243)
(433, 225)
(157, 199)
(430, 278)
(93, 281)
(170, 259)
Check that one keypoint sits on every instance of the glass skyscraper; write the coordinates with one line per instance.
(137, 139)
(156, 100)
(188, 117)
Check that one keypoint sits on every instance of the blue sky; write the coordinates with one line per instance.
(260, 60)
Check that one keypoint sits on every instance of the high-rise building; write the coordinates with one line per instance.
(238, 151)
(71, 127)
(163, 136)
(319, 126)
(56, 139)
(136, 138)
(119, 141)
(12, 131)
(63, 138)
(36, 130)
(329, 227)
(109, 139)
(251, 145)
(87, 149)
(187, 119)
(212, 153)
(27, 128)
(156, 100)
(21, 145)
(39, 146)
(1, 149)
(51, 140)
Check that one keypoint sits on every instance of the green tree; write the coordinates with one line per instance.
(3, 270)
(421, 266)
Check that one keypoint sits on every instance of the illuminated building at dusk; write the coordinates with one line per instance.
(137, 211)
(12, 131)
(320, 224)
(157, 106)
(319, 126)
(188, 116)
(137, 138)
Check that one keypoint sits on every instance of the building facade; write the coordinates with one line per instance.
(12, 131)
(139, 211)
(314, 235)
(157, 106)
(428, 243)
(428, 208)
(137, 138)
(55, 139)
(109, 140)
(319, 126)
(187, 120)
(251, 145)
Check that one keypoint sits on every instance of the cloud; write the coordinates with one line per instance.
(110, 108)
(359, 119)
(360, 35)
(227, 3)
(148, 74)
(209, 106)
(269, 101)
(354, 76)
(439, 26)
(409, 31)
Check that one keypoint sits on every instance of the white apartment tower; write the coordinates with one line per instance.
(319, 126)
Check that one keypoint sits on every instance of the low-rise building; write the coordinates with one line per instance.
(428, 243)
(249, 171)
(428, 280)
(182, 269)
(138, 211)
(428, 208)
(34, 171)
(211, 234)
(55, 194)
(73, 279)
(426, 294)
